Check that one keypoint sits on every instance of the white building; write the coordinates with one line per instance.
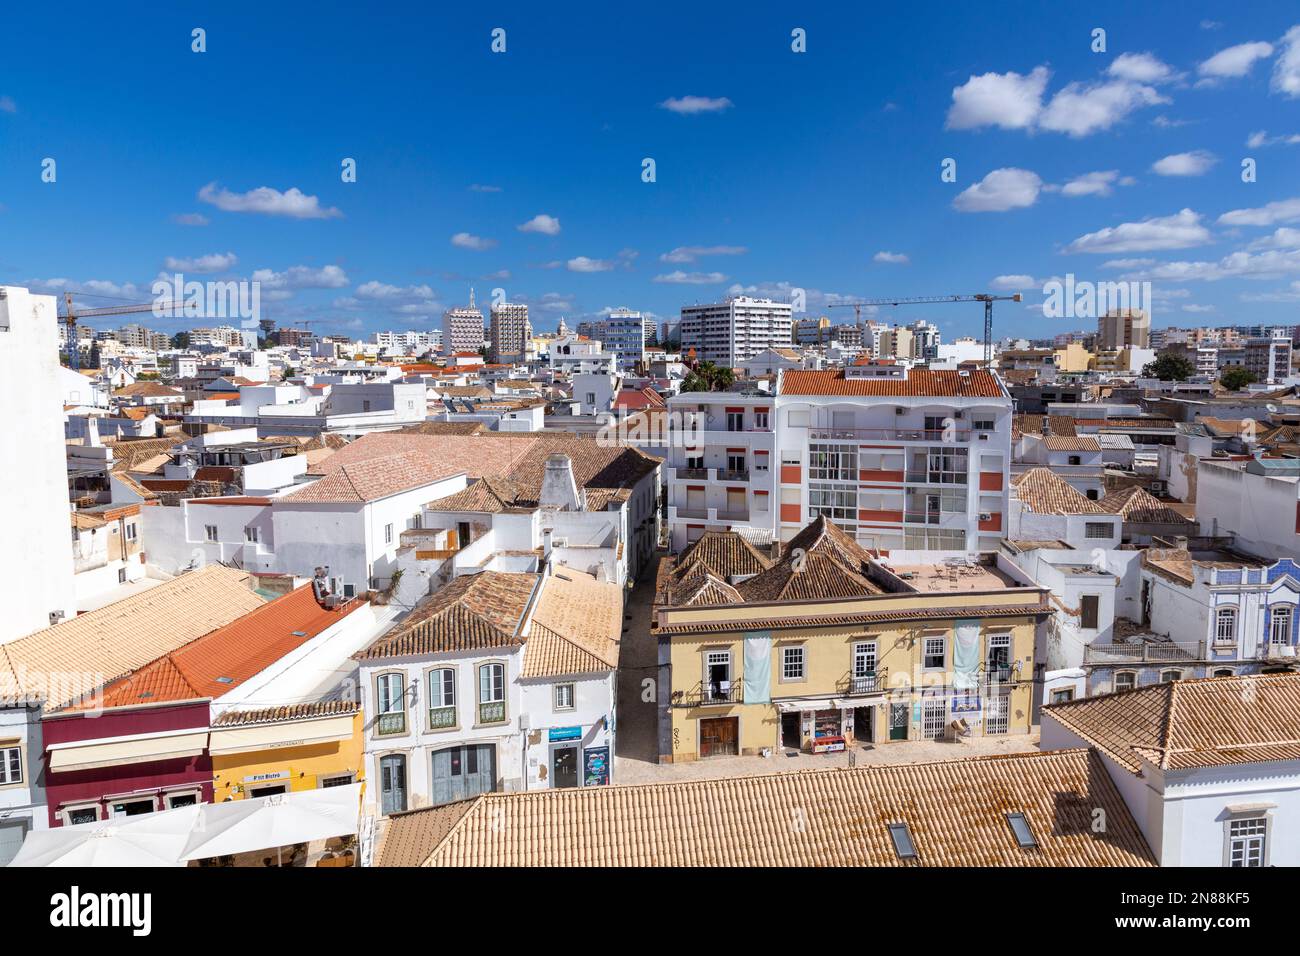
(624, 333)
(1257, 501)
(1208, 768)
(730, 331)
(36, 566)
(509, 332)
(462, 329)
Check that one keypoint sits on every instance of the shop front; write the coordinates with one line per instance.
(818, 726)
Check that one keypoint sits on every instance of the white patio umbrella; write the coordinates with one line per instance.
(261, 823)
(151, 839)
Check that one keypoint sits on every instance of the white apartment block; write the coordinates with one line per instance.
(410, 342)
(509, 332)
(730, 331)
(624, 333)
(462, 329)
(913, 460)
(36, 567)
(916, 460)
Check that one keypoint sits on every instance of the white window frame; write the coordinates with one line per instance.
(864, 651)
(1280, 635)
(388, 533)
(6, 780)
(557, 704)
(387, 703)
(495, 669)
(1129, 674)
(1240, 832)
(794, 663)
(440, 700)
(65, 813)
(210, 532)
(1228, 615)
(250, 534)
(927, 653)
(1175, 671)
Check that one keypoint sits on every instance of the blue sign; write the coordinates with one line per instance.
(565, 733)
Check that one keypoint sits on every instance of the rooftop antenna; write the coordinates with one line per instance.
(471, 297)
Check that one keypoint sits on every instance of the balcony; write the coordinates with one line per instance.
(864, 686)
(690, 474)
(1139, 651)
(730, 474)
(391, 723)
(716, 693)
(492, 712)
(733, 515)
(440, 718)
(921, 476)
(894, 434)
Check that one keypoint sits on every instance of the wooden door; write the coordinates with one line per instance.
(720, 737)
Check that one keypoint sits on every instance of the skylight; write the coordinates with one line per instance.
(1020, 828)
(902, 837)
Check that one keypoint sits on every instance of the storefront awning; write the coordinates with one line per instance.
(109, 751)
(795, 706)
(296, 733)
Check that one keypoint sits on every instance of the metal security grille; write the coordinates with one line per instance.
(999, 715)
(932, 718)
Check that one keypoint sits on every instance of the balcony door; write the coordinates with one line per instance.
(392, 784)
(462, 772)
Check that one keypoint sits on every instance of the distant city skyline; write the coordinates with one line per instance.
(521, 171)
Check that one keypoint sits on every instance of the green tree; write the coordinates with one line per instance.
(1236, 378)
(708, 377)
(1169, 367)
(181, 340)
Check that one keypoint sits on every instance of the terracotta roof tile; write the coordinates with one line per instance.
(1044, 493)
(576, 626)
(920, 383)
(955, 810)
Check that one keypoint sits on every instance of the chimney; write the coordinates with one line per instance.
(1180, 542)
(559, 489)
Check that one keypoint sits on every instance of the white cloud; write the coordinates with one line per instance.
(1273, 264)
(1164, 122)
(190, 219)
(1007, 100)
(481, 188)
(1082, 108)
(678, 277)
(464, 240)
(302, 277)
(1179, 231)
(1092, 184)
(7, 105)
(1193, 307)
(783, 291)
(584, 264)
(893, 258)
(1284, 210)
(1000, 190)
(93, 287)
(212, 262)
(1127, 263)
(1284, 237)
(1140, 68)
(1195, 163)
(696, 104)
(546, 225)
(1286, 69)
(1280, 296)
(269, 202)
(691, 253)
(1235, 60)
(382, 290)
(1261, 138)
(1211, 25)
(1013, 282)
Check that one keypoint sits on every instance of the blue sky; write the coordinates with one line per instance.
(774, 169)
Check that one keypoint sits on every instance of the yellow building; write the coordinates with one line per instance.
(1073, 358)
(827, 645)
(256, 753)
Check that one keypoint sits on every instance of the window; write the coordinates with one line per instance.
(934, 715)
(1279, 625)
(735, 461)
(833, 463)
(132, 808)
(735, 421)
(1089, 607)
(491, 693)
(999, 659)
(717, 675)
(1222, 672)
(250, 534)
(121, 575)
(792, 663)
(760, 501)
(211, 531)
(564, 697)
(388, 534)
(901, 837)
(839, 503)
(1097, 529)
(998, 716)
(11, 765)
(1022, 832)
(1225, 625)
(75, 815)
(983, 424)
(391, 697)
(442, 698)
(760, 418)
(337, 780)
(1063, 696)
(591, 399)
(864, 659)
(1171, 675)
(130, 532)
(934, 652)
(1125, 680)
(187, 799)
(1247, 841)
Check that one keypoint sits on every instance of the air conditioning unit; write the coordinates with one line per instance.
(900, 411)
(986, 516)
(958, 413)
(1159, 486)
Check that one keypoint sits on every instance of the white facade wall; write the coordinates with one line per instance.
(593, 712)
(36, 564)
(1261, 512)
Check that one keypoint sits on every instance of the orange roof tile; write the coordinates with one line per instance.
(221, 660)
(920, 383)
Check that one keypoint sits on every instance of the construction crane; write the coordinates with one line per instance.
(70, 317)
(986, 297)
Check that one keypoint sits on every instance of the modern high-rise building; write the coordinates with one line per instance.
(462, 328)
(1122, 329)
(624, 334)
(1269, 356)
(735, 329)
(509, 332)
